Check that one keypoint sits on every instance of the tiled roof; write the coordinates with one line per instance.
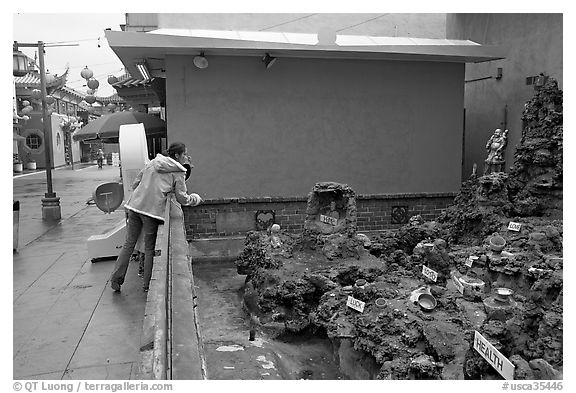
(127, 80)
(32, 80)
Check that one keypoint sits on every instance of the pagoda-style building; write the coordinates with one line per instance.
(67, 105)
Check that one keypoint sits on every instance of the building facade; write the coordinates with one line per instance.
(496, 91)
(382, 114)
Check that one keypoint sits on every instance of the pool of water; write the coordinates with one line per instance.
(224, 327)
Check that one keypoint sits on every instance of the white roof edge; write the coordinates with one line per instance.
(130, 46)
(307, 38)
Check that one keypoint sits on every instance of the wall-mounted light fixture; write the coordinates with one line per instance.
(268, 60)
(143, 70)
(499, 73)
(200, 61)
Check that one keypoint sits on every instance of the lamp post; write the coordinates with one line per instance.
(50, 203)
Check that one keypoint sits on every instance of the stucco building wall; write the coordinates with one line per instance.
(534, 45)
(378, 126)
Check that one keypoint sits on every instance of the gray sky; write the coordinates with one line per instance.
(68, 28)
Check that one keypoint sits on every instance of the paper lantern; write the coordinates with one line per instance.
(86, 73)
(90, 99)
(93, 83)
(112, 79)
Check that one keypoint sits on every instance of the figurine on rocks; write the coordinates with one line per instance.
(495, 148)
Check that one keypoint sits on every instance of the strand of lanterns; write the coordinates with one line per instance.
(90, 98)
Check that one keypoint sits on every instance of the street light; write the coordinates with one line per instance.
(50, 203)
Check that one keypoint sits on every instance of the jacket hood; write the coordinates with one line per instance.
(164, 164)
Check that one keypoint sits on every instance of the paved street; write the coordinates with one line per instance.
(67, 322)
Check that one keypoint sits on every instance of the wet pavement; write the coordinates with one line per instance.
(67, 322)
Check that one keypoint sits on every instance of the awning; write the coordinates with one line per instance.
(107, 127)
(132, 47)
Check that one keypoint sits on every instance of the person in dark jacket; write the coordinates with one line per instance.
(163, 175)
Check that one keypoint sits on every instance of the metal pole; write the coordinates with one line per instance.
(50, 203)
(47, 124)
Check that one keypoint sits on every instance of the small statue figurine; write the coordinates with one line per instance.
(331, 211)
(274, 239)
(495, 148)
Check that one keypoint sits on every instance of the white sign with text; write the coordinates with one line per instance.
(514, 226)
(470, 260)
(429, 273)
(458, 284)
(355, 304)
(493, 356)
(328, 220)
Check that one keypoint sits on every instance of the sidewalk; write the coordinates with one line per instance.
(67, 322)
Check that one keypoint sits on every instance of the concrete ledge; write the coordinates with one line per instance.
(186, 346)
(214, 249)
(170, 344)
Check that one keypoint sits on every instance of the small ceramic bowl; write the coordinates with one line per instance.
(380, 302)
(360, 282)
(497, 243)
(427, 302)
(503, 295)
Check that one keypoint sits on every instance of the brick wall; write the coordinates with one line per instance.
(236, 216)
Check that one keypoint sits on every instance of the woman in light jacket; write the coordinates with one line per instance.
(145, 207)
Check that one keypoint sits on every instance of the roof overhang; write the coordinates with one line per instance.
(133, 47)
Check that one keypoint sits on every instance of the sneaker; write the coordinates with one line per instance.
(115, 286)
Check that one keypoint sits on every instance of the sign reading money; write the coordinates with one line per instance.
(514, 226)
(355, 304)
(493, 356)
(328, 220)
(429, 273)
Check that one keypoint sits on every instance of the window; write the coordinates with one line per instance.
(34, 141)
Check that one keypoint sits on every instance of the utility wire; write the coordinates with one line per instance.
(71, 42)
(361, 23)
(290, 21)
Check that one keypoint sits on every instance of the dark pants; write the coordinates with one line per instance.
(137, 223)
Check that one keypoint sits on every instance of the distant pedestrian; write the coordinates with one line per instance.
(163, 175)
(100, 158)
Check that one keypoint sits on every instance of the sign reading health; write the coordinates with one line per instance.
(493, 356)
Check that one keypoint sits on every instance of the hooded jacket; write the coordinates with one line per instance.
(152, 185)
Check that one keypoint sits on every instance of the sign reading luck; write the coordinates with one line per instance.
(355, 304)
